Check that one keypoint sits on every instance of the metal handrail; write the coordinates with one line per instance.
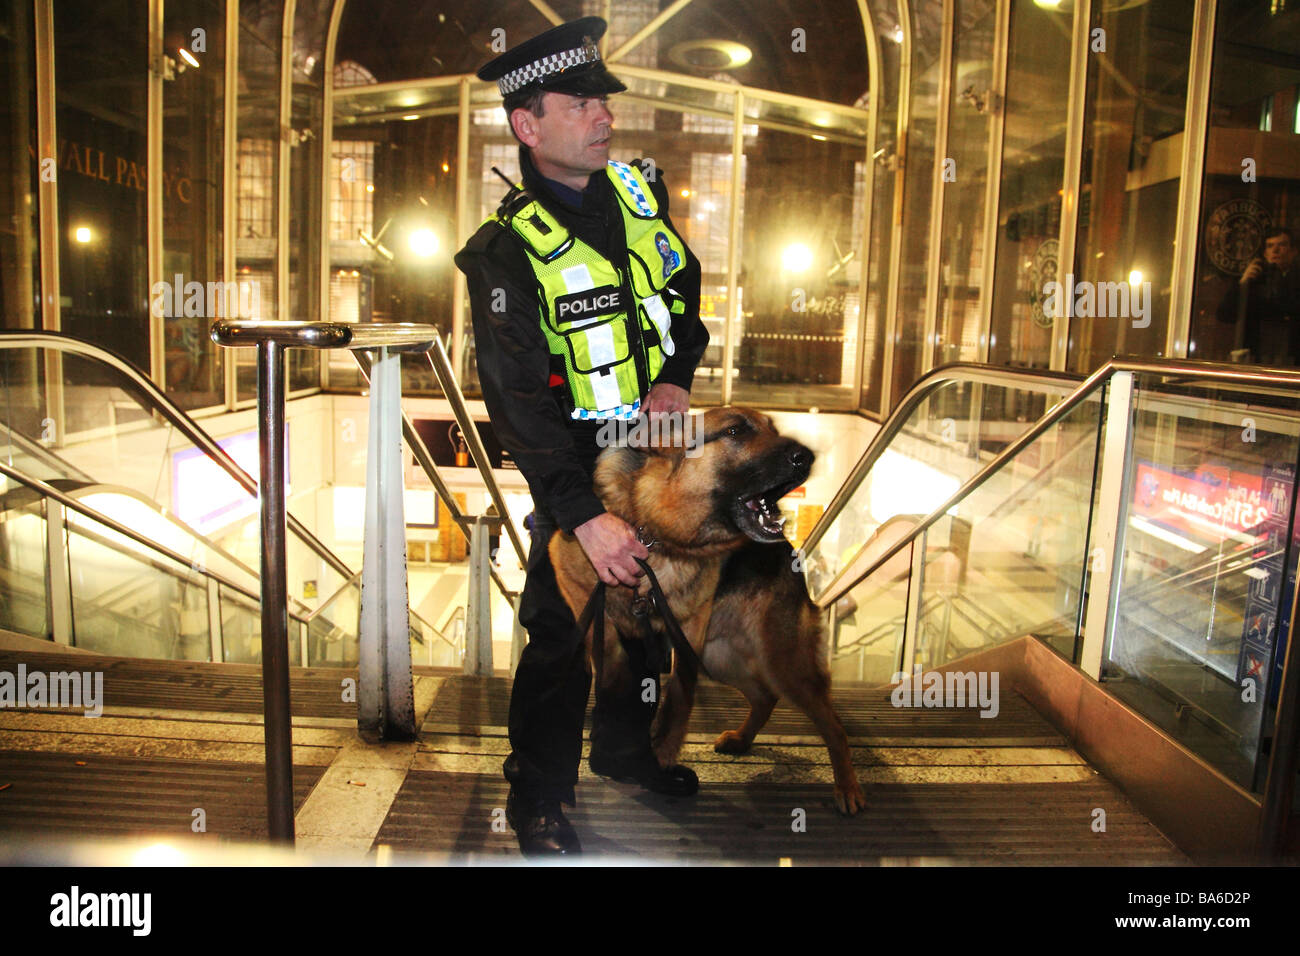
(1197, 370)
(451, 389)
(925, 386)
(174, 416)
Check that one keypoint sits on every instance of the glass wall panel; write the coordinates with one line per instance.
(100, 54)
(1247, 275)
(310, 24)
(884, 15)
(256, 178)
(19, 261)
(909, 316)
(962, 258)
(796, 342)
(1009, 559)
(1132, 147)
(241, 630)
(415, 215)
(944, 442)
(1208, 573)
(24, 601)
(193, 142)
(130, 602)
(1029, 205)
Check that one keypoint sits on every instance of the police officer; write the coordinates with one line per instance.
(585, 304)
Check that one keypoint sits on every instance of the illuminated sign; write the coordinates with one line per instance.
(204, 495)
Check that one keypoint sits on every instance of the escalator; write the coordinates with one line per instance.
(1142, 528)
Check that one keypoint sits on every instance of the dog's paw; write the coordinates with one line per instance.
(731, 742)
(849, 799)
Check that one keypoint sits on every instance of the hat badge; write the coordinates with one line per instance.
(589, 49)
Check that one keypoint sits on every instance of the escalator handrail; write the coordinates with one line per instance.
(12, 339)
(1196, 370)
(49, 491)
(926, 386)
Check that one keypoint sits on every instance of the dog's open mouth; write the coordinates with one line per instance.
(760, 516)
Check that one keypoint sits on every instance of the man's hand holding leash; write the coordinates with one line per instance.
(612, 548)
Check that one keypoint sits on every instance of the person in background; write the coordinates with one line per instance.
(1265, 305)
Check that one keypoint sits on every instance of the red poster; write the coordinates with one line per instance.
(1210, 502)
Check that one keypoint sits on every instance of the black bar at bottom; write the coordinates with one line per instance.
(275, 599)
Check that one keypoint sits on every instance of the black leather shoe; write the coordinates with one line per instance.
(676, 781)
(541, 827)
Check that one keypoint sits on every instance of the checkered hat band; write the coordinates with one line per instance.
(625, 412)
(547, 65)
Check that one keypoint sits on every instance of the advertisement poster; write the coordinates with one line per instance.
(1269, 597)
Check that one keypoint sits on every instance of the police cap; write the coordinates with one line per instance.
(564, 59)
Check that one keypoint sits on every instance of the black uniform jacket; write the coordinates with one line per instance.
(530, 412)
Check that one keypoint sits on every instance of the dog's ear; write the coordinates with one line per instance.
(674, 436)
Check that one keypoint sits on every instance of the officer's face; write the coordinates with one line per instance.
(570, 140)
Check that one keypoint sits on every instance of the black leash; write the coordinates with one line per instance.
(594, 612)
(670, 620)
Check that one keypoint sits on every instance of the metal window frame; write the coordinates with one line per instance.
(1191, 184)
(327, 171)
(284, 162)
(896, 218)
(229, 181)
(874, 91)
(993, 185)
(1072, 175)
(154, 187)
(934, 259)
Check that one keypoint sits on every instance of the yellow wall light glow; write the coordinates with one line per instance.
(796, 257)
(423, 242)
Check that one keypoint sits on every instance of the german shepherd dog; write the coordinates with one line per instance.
(709, 512)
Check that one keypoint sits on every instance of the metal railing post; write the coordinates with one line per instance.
(272, 339)
(385, 693)
(478, 614)
(1107, 548)
(275, 592)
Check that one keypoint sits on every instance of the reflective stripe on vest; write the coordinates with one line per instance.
(584, 315)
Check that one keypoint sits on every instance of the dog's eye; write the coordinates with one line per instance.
(733, 431)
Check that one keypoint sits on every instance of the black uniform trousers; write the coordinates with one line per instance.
(552, 685)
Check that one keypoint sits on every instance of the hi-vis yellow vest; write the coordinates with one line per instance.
(610, 355)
